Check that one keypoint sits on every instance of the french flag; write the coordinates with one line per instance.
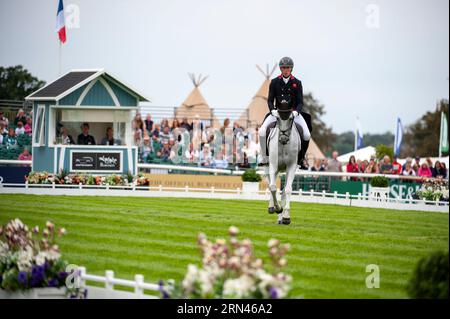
(60, 23)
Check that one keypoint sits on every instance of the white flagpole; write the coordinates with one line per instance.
(59, 57)
(440, 136)
(356, 135)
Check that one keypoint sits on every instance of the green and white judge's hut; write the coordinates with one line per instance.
(80, 97)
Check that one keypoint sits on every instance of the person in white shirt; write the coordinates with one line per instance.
(20, 129)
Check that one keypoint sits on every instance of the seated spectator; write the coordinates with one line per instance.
(4, 119)
(148, 123)
(185, 124)
(386, 166)
(205, 156)
(20, 117)
(175, 124)
(84, 138)
(146, 150)
(333, 164)
(439, 170)
(156, 131)
(25, 155)
(166, 135)
(28, 126)
(408, 171)
(109, 138)
(10, 140)
(66, 139)
(3, 128)
(425, 171)
(166, 152)
(156, 144)
(137, 136)
(20, 129)
(372, 167)
(317, 167)
(189, 154)
(396, 167)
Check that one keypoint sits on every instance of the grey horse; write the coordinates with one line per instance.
(284, 145)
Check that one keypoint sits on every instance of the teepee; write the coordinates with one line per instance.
(256, 111)
(195, 106)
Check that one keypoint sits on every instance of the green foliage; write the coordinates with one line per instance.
(321, 133)
(382, 150)
(379, 181)
(422, 137)
(16, 83)
(430, 277)
(250, 175)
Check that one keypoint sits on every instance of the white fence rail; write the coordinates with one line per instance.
(109, 290)
(230, 194)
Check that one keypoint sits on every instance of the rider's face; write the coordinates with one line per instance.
(286, 71)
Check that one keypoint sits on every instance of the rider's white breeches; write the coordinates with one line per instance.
(298, 119)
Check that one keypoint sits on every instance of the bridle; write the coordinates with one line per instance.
(284, 135)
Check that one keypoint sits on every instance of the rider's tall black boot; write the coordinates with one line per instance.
(302, 154)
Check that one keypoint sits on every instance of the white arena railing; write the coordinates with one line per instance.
(371, 201)
(109, 291)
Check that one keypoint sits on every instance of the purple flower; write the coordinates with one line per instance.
(53, 282)
(46, 265)
(273, 293)
(22, 277)
(62, 275)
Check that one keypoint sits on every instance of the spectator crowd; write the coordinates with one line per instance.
(15, 136)
(197, 144)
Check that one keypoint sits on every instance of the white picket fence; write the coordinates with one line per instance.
(110, 291)
(189, 192)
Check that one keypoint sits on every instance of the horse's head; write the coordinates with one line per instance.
(283, 107)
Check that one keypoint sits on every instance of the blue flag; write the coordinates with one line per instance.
(358, 135)
(398, 137)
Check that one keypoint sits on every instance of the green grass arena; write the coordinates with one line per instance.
(156, 237)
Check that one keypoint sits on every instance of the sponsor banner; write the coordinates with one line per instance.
(85, 161)
(199, 181)
(397, 188)
(14, 174)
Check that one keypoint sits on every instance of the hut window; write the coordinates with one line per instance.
(39, 132)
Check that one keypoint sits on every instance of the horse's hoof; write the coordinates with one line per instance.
(279, 222)
(271, 210)
(286, 221)
(279, 210)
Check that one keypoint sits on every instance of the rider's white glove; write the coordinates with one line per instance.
(274, 113)
(295, 113)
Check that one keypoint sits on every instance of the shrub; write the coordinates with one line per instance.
(430, 277)
(250, 175)
(379, 181)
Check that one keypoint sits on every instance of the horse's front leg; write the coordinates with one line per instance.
(287, 192)
(274, 206)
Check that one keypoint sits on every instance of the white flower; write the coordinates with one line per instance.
(24, 259)
(273, 242)
(241, 287)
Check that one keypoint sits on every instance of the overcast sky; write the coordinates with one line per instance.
(352, 62)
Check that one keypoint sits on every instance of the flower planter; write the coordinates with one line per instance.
(379, 193)
(36, 293)
(251, 188)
